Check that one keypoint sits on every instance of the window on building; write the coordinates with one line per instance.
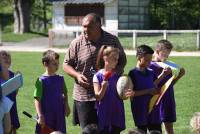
(133, 14)
(74, 13)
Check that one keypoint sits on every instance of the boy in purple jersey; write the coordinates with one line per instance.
(167, 104)
(51, 100)
(12, 96)
(143, 79)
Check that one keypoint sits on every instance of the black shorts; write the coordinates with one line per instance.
(84, 113)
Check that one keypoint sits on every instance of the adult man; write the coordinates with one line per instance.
(80, 63)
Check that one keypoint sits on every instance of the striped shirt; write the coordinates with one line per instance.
(82, 54)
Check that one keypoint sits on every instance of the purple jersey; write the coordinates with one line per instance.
(110, 109)
(167, 103)
(52, 101)
(13, 112)
(139, 104)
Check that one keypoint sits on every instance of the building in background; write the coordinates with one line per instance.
(115, 14)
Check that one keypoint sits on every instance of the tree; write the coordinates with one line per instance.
(41, 13)
(22, 12)
(175, 14)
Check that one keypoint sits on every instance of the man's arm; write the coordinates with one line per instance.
(68, 67)
(70, 70)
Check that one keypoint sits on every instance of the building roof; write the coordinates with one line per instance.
(80, 1)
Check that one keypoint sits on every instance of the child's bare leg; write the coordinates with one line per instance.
(169, 127)
(13, 131)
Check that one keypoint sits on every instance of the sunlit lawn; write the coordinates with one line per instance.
(187, 91)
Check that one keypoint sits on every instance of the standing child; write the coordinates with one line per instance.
(12, 96)
(167, 104)
(51, 100)
(110, 108)
(144, 79)
(5, 103)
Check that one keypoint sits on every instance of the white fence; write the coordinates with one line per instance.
(134, 33)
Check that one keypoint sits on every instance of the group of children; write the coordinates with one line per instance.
(147, 77)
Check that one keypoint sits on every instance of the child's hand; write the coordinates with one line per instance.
(166, 71)
(154, 91)
(129, 93)
(107, 75)
(104, 84)
(67, 110)
(83, 81)
(41, 120)
(182, 72)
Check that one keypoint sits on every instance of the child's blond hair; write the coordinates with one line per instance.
(104, 51)
(164, 45)
(195, 122)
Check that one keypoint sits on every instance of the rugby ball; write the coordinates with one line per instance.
(124, 83)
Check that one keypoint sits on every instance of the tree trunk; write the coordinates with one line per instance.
(22, 11)
(44, 15)
(16, 17)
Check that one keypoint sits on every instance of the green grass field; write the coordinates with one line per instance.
(187, 91)
(11, 37)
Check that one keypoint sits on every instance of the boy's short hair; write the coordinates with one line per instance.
(143, 50)
(136, 131)
(195, 122)
(164, 45)
(49, 55)
(154, 132)
(6, 55)
(90, 129)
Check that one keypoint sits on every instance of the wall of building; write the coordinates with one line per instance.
(59, 18)
(111, 15)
